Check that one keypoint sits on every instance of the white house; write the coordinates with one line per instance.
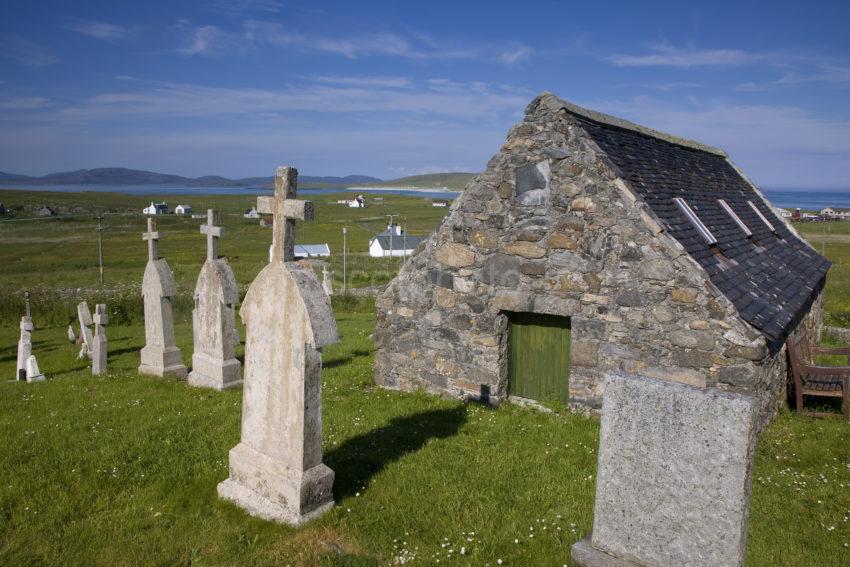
(182, 210)
(357, 203)
(393, 242)
(156, 209)
(251, 213)
(440, 204)
(784, 213)
(835, 212)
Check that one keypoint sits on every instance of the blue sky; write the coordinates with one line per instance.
(398, 88)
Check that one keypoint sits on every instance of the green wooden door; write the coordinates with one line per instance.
(539, 357)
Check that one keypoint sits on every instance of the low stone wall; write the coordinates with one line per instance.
(837, 334)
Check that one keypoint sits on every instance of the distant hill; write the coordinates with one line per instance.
(456, 181)
(125, 176)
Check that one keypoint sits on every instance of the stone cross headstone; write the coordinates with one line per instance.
(276, 471)
(33, 373)
(327, 281)
(674, 476)
(214, 363)
(99, 349)
(25, 341)
(160, 355)
(84, 316)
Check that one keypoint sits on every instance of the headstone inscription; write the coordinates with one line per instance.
(276, 471)
(160, 355)
(673, 478)
(214, 363)
(99, 349)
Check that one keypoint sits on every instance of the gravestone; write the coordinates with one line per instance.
(276, 471)
(25, 341)
(160, 355)
(327, 281)
(674, 476)
(214, 363)
(98, 365)
(33, 373)
(72, 336)
(84, 317)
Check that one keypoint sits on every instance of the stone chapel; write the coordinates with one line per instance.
(591, 244)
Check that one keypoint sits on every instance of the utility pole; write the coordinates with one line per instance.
(404, 241)
(100, 245)
(344, 252)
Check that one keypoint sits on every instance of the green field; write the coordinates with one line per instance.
(122, 469)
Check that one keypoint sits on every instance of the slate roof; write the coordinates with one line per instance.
(771, 279)
(398, 242)
(310, 250)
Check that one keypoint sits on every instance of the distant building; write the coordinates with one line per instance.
(357, 203)
(393, 242)
(182, 210)
(784, 213)
(835, 213)
(45, 212)
(156, 209)
(251, 213)
(440, 204)
(312, 250)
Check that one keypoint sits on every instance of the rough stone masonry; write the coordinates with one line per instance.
(555, 226)
(276, 470)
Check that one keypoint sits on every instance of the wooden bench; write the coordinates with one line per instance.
(813, 380)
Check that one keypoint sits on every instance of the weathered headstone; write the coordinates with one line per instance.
(327, 281)
(160, 355)
(72, 336)
(99, 349)
(214, 363)
(674, 476)
(25, 342)
(33, 373)
(276, 471)
(84, 317)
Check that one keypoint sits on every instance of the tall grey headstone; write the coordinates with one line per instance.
(84, 317)
(99, 343)
(276, 471)
(674, 476)
(214, 363)
(25, 341)
(160, 355)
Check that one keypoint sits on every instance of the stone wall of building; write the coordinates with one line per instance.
(550, 228)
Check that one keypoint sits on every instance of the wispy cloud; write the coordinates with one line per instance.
(100, 30)
(203, 40)
(25, 52)
(243, 7)
(24, 103)
(515, 53)
(666, 55)
(392, 82)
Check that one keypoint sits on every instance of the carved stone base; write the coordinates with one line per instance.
(158, 361)
(208, 372)
(266, 488)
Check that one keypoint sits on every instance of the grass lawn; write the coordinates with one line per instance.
(122, 470)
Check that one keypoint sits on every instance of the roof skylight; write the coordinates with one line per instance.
(694, 220)
(761, 216)
(737, 220)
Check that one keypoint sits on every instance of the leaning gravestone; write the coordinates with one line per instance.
(327, 281)
(160, 356)
(25, 341)
(98, 365)
(84, 316)
(674, 476)
(276, 471)
(214, 363)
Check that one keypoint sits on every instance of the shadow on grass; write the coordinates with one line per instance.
(345, 360)
(361, 457)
